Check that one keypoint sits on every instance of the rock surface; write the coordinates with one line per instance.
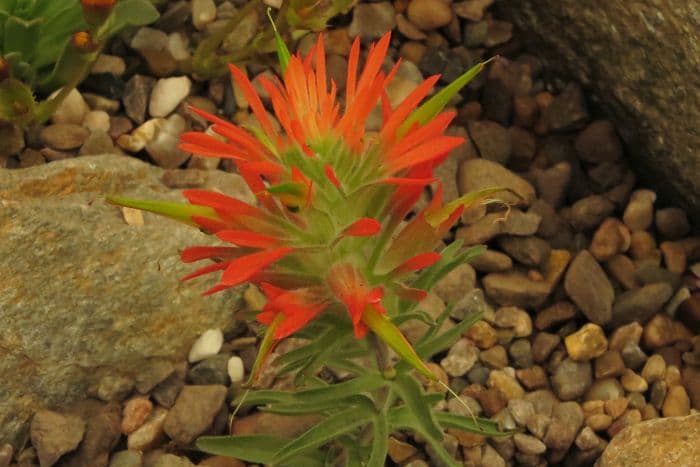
(84, 294)
(638, 86)
(660, 442)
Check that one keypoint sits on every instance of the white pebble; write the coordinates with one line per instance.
(235, 369)
(203, 13)
(72, 110)
(178, 46)
(96, 120)
(207, 345)
(167, 95)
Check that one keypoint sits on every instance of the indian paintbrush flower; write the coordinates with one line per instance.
(327, 232)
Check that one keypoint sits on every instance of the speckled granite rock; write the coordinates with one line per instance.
(83, 294)
(662, 442)
(640, 60)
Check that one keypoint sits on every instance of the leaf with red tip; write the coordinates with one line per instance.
(420, 261)
(179, 211)
(387, 331)
(248, 238)
(365, 227)
(331, 176)
(196, 253)
(241, 269)
(205, 270)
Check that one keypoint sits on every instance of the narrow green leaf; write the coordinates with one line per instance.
(411, 393)
(329, 429)
(403, 418)
(380, 442)
(259, 449)
(482, 426)
(443, 341)
(283, 54)
(433, 106)
(387, 331)
(359, 385)
(182, 212)
(439, 216)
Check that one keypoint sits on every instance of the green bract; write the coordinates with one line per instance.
(37, 42)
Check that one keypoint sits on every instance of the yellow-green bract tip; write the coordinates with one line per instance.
(179, 211)
(282, 51)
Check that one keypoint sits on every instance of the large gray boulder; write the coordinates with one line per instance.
(641, 61)
(83, 294)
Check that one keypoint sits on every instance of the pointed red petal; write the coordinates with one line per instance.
(424, 152)
(420, 261)
(224, 205)
(241, 269)
(205, 270)
(196, 253)
(253, 100)
(300, 317)
(331, 176)
(365, 227)
(248, 238)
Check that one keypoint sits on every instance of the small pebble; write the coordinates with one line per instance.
(587, 343)
(207, 345)
(235, 369)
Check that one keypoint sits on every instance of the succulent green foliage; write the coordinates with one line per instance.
(35, 40)
(358, 414)
(292, 21)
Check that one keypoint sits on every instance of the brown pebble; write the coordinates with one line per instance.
(611, 238)
(629, 333)
(674, 257)
(643, 247)
(555, 315)
(623, 269)
(672, 223)
(661, 331)
(629, 418)
(616, 407)
(532, 378)
(599, 422)
(632, 382)
(610, 364)
(677, 403)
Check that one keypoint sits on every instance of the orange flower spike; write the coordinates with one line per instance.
(319, 181)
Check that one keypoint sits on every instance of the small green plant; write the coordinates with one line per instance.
(294, 19)
(330, 246)
(50, 45)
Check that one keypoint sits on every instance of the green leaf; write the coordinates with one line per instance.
(56, 33)
(259, 449)
(338, 391)
(338, 424)
(380, 442)
(21, 36)
(443, 341)
(433, 106)
(17, 103)
(283, 54)
(403, 418)
(128, 13)
(411, 393)
(482, 426)
(182, 212)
